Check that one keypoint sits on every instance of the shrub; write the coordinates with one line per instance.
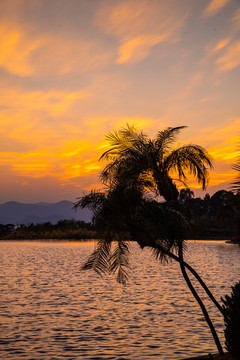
(231, 309)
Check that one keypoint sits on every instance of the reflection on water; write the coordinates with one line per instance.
(50, 309)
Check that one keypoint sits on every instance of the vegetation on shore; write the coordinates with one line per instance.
(231, 308)
(64, 229)
(214, 217)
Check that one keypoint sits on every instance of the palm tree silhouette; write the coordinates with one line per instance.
(153, 161)
(125, 212)
(150, 163)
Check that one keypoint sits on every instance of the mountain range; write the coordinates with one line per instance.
(13, 212)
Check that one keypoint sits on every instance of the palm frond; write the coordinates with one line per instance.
(120, 141)
(119, 261)
(166, 137)
(235, 185)
(91, 201)
(131, 164)
(99, 259)
(191, 158)
(160, 253)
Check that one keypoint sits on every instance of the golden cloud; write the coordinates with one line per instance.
(224, 153)
(54, 103)
(221, 44)
(25, 51)
(16, 50)
(64, 152)
(214, 6)
(231, 58)
(23, 111)
(138, 48)
(53, 163)
(226, 132)
(215, 178)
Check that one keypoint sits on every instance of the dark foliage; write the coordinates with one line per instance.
(64, 229)
(231, 309)
(213, 217)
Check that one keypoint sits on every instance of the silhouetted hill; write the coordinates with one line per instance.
(13, 212)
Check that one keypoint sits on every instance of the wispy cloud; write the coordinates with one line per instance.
(26, 52)
(224, 139)
(214, 6)
(231, 58)
(16, 50)
(222, 44)
(141, 26)
(53, 103)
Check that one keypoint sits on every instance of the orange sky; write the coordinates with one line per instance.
(72, 70)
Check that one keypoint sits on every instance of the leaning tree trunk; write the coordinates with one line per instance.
(198, 299)
(194, 273)
(199, 279)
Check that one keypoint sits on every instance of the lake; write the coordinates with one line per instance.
(50, 309)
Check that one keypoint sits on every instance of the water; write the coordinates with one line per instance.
(51, 310)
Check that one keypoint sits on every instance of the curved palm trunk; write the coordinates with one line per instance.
(198, 299)
(194, 273)
(199, 279)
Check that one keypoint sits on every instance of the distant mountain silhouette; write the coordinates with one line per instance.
(13, 212)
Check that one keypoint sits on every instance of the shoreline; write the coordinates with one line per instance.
(228, 241)
(93, 240)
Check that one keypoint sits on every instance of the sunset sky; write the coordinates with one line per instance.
(73, 70)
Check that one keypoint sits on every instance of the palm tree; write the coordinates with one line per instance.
(138, 163)
(150, 164)
(153, 161)
(124, 214)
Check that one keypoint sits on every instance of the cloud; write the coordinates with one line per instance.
(139, 27)
(42, 147)
(224, 139)
(62, 55)
(138, 48)
(222, 44)
(36, 121)
(215, 178)
(214, 6)
(25, 51)
(54, 161)
(16, 50)
(53, 102)
(231, 58)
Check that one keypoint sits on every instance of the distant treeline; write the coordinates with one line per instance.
(213, 217)
(216, 216)
(64, 229)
